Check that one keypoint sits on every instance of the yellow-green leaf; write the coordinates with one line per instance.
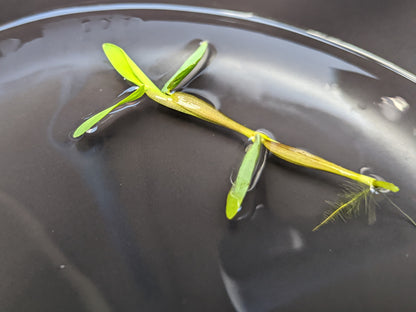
(90, 122)
(245, 175)
(124, 65)
(186, 67)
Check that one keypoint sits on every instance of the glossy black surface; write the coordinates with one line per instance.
(132, 218)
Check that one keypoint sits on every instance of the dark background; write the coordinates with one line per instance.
(386, 28)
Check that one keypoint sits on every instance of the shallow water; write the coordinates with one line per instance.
(132, 216)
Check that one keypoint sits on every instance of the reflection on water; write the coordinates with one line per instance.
(393, 108)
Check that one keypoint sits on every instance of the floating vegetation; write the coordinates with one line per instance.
(356, 196)
(186, 69)
(92, 121)
(244, 177)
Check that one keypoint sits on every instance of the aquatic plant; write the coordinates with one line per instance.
(194, 106)
(355, 198)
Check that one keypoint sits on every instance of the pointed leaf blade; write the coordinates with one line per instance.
(242, 183)
(125, 66)
(90, 122)
(186, 67)
(119, 59)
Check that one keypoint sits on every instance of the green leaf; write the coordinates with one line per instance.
(124, 65)
(90, 122)
(242, 183)
(186, 67)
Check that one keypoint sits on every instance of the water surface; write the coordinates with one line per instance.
(132, 216)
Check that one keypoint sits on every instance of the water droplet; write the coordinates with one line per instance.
(92, 130)
(369, 172)
(393, 108)
(62, 266)
(266, 132)
(86, 25)
(105, 23)
(9, 46)
(365, 170)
